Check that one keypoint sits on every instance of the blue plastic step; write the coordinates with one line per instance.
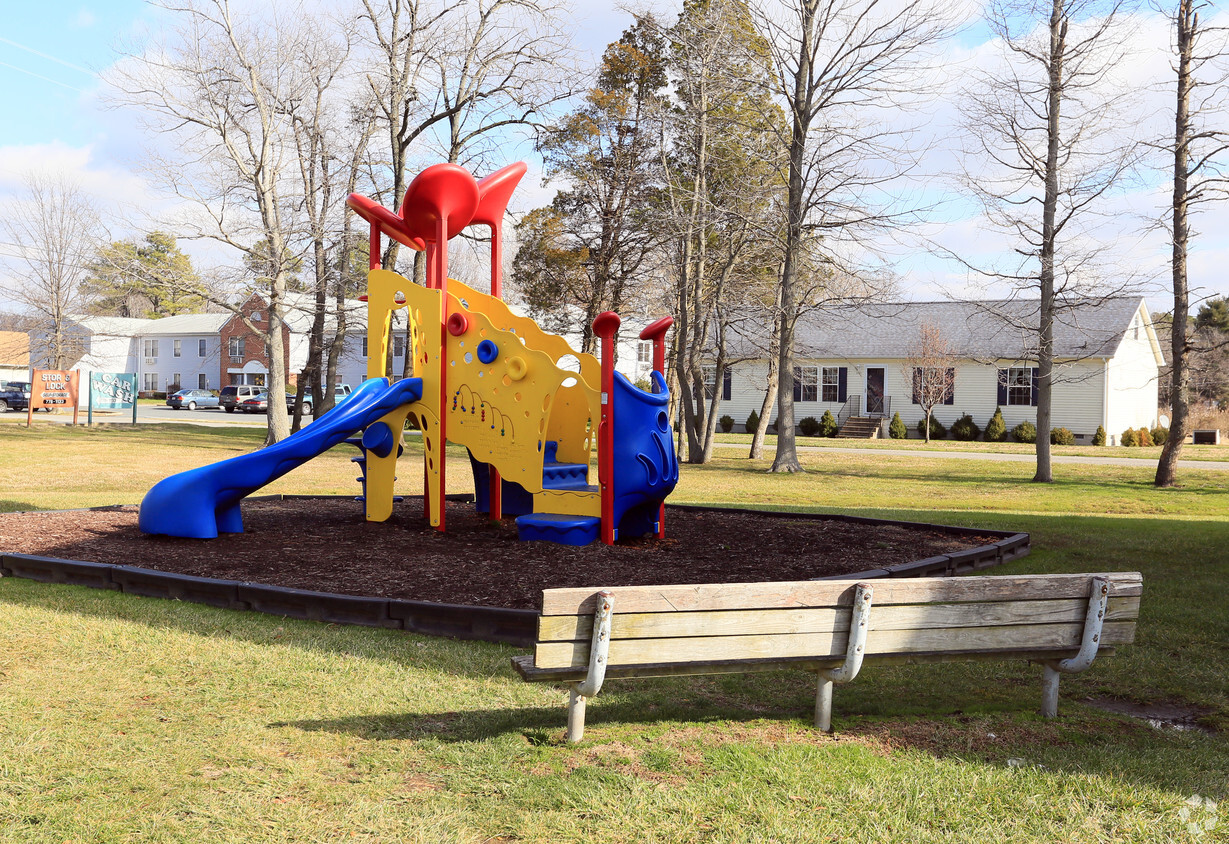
(557, 528)
(565, 476)
(550, 451)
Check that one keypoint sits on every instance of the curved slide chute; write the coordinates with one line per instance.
(201, 503)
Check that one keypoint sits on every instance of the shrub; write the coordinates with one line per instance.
(726, 423)
(897, 429)
(937, 431)
(753, 423)
(809, 427)
(1061, 436)
(1099, 437)
(965, 429)
(1129, 438)
(827, 425)
(1025, 432)
(1159, 435)
(1143, 437)
(996, 428)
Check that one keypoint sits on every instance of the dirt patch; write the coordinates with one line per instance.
(1160, 716)
(326, 545)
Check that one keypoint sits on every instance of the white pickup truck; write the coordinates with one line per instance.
(339, 394)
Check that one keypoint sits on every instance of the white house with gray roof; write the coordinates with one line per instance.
(854, 362)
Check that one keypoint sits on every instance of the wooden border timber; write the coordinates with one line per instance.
(491, 624)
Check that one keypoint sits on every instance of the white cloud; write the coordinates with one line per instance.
(84, 19)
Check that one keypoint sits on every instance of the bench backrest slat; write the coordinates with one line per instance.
(1031, 637)
(829, 593)
(564, 628)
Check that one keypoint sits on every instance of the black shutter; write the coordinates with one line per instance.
(949, 386)
(842, 381)
(1002, 388)
(725, 384)
(1034, 396)
(797, 383)
(917, 385)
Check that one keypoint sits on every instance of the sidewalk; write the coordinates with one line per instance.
(1213, 465)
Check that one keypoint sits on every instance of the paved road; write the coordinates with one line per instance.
(1008, 458)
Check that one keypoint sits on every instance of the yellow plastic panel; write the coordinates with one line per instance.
(382, 289)
(501, 410)
(502, 318)
(382, 471)
(568, 502)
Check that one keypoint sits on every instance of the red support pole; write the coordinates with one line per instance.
(606, 326)
(657, 333)
(373, 247)
(495, 497)
(441, 283)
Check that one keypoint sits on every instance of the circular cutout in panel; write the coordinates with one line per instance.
(517, 368)
(568, 363)
(469, 357)
(517, 396)
(545, 403)
(458, 323)
(507, 381)
(663, 424)
(568, 382)
(487, 351)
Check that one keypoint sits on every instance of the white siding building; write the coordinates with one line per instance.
(854, 362)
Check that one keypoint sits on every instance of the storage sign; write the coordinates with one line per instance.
(53, 388)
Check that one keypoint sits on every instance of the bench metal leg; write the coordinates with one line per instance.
(576, 716)
(1098, 600)
(855, 648)
(823, 705)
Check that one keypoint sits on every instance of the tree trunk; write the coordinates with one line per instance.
(1045, 346)
(1180, 376)
(770, 398)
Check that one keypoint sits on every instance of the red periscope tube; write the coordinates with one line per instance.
(656, 332)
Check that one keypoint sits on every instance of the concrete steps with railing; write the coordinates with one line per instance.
(860, 428)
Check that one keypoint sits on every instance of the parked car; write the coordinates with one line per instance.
(192, 399)
(256, 404)
(232, 396)
(15, 396)
(339, 395)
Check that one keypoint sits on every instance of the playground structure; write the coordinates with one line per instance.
(483, 377)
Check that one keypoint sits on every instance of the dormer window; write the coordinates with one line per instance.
(256, 316)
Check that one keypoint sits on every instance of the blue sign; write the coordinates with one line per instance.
(112, 390)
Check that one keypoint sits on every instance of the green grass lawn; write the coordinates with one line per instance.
(129, 719)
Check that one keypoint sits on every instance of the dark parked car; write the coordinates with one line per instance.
(234, 395)
(15, 396)
(191, 399)
(256, 404)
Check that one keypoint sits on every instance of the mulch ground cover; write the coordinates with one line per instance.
(326, 545)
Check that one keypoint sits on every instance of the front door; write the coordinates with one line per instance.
(874, 390)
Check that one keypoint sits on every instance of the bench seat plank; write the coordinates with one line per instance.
(579, 628)
(1032, 637)
(829, 593)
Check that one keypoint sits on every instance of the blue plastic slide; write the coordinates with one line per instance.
(201, 503)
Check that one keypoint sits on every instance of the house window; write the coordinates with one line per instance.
(710, 382)
(830, 384)
(150, 380)
(806, 383)
(644, 352)
(937, 386)
(256, 316)
(399, 346)
(151, 351)
(178, 348)
(202, 381)
(235, 377)
(176, 381)
(1020, 386)
(235, 347)
(201, 348)
(364, 347)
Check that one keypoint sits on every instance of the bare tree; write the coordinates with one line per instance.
(1048, 145)
(843, 69)
(1198, 150)
(931, 368)
(218, 86)
(722, 177)
(55, 226)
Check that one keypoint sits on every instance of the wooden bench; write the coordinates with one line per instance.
(829, 627)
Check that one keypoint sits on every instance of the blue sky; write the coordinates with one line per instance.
(50, 51)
